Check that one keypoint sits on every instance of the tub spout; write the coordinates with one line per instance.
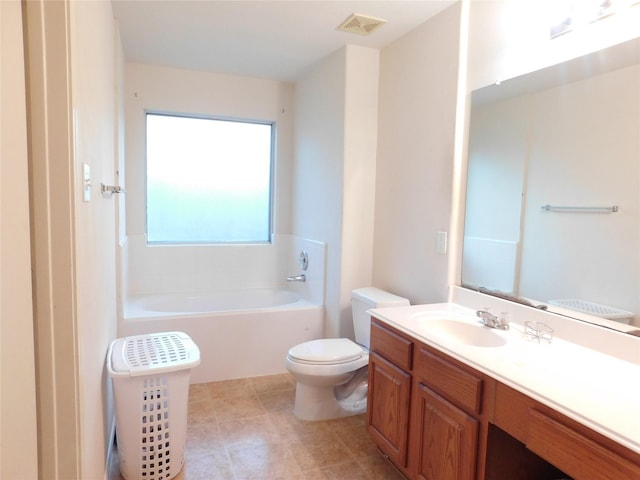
(297, 278)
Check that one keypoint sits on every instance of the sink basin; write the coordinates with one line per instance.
(476, 335)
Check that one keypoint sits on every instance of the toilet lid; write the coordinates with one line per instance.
(327, 350)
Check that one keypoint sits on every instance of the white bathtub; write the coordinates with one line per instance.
(240, 333)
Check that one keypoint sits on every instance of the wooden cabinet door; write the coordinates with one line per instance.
(444, 439)
(388, 408)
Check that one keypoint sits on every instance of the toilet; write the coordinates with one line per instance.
(331, 373)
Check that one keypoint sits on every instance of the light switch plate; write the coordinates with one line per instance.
(442, 243)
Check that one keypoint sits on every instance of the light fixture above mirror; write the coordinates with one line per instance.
(568, 15)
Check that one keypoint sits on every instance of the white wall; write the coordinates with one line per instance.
(495, 182)
(495, 212)
(120, 177)
(18, 441)
(94, 89)
(172, 90)
(359, 181)
(318, 168)
(334, 171)
(160, 268)
(335, 131)
(418, 87)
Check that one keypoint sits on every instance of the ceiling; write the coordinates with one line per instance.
(257, 38)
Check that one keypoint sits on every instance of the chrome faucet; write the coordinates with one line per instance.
(297, 278)
(490, 320)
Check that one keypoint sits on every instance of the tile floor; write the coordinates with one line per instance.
(245, 429)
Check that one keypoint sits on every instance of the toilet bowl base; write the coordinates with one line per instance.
(319, 403)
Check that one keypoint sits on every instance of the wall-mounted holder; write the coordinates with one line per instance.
(111, 189)
(581, 209)
(538, 331)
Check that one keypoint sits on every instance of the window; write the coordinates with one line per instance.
(208, 180)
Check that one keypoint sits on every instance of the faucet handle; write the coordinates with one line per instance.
(490, 320)
(297, 278)
(486, 317)
(504, 320)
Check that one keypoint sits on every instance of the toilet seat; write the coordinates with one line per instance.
(327, 351)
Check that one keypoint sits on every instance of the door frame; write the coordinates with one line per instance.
(52, 197)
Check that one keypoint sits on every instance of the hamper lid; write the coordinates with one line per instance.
(152, 353)
(327, 351)
(591, 308)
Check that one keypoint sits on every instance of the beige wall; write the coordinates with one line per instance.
(18, 435)
(418, 88)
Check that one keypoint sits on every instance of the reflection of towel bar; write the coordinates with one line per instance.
(556, 208)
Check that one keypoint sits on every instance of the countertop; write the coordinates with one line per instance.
(596, 387)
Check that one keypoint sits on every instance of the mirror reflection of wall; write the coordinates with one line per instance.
(574, 144)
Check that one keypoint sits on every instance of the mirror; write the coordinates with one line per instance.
(553, 188)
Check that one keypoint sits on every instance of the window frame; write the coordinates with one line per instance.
(272, 177)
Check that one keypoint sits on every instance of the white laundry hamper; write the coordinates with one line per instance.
(150, 376)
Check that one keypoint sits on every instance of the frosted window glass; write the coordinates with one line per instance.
(208, 180)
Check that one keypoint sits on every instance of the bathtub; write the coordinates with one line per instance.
(240, 333)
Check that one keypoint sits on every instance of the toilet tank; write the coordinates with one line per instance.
(362, 299)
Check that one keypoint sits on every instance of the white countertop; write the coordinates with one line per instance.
(596, 387)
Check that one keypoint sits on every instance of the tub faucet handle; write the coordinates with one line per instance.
(297, 278)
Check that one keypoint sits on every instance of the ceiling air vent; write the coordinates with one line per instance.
(361, 24)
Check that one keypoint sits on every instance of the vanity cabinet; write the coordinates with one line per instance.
(422, 410)
(445, 425)
(576, 454)
(577, 450)
(444, 438)
(388, 412)
(437, 418)
(388, 402)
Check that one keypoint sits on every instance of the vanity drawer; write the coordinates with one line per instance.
(459, 386)
(511, 411)
(577, 455)
(391, 345)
